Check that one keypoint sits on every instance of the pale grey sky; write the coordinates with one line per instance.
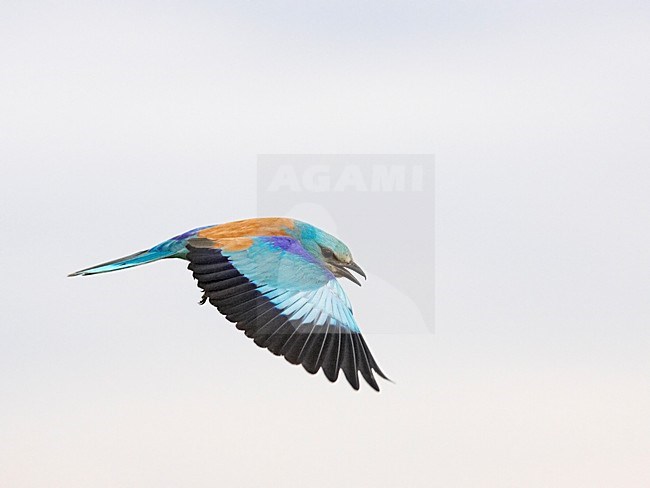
(124, 124)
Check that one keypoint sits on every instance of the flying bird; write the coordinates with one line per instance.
(276, 279)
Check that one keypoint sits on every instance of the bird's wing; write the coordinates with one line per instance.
(284, 299)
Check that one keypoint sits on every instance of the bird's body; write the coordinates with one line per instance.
(275, 278)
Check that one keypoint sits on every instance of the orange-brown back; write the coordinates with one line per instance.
(232, 231)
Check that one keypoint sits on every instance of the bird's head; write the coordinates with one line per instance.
(329, 250)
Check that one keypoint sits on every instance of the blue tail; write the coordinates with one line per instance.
(168, 249)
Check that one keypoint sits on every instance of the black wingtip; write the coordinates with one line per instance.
(384, 376)
(376, 369)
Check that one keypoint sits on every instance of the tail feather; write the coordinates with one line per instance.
(142, 257)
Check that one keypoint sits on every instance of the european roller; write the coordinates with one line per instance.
(276, 279)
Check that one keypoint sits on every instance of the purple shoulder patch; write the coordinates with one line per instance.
(290, 245)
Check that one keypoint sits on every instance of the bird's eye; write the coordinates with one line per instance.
(327, 252)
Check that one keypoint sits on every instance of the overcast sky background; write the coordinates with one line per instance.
(124, 123)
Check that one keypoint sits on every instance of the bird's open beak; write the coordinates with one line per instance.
(343, 270)
(356, 268)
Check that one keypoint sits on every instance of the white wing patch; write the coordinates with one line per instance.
(314, 306)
